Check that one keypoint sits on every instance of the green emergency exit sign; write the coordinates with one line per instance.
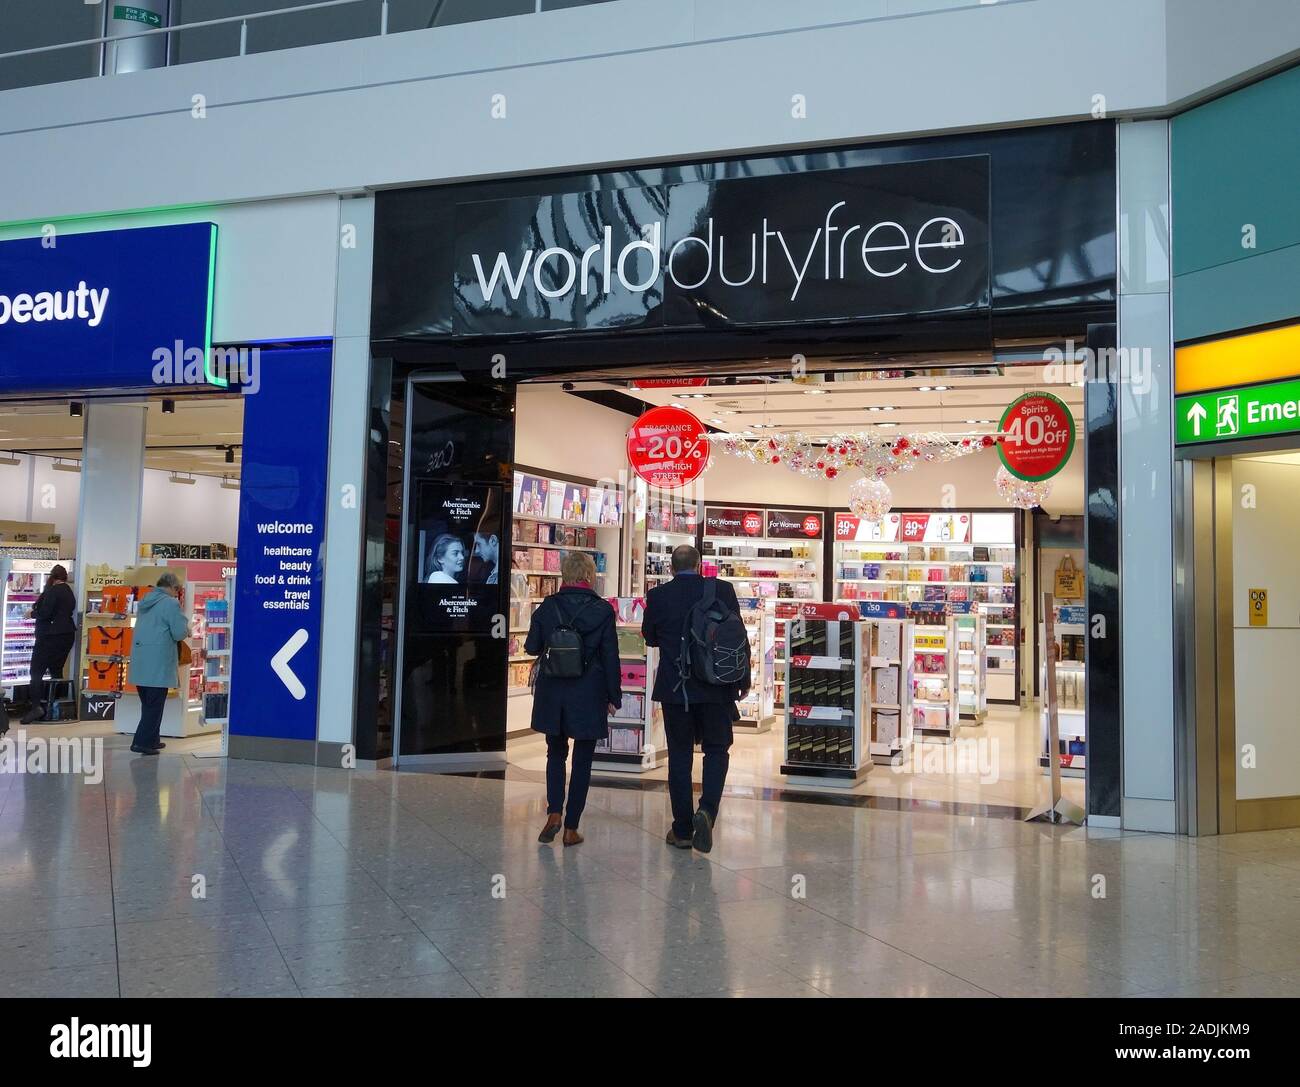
(1252, 411)
(127, 13)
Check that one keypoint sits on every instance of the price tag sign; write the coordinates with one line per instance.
(1037, 436)
(668, 447)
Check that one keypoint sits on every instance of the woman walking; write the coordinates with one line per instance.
(159, 626)
(55, 633)
(573, 700)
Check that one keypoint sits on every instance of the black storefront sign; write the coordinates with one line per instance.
(793, 525)
(830, 245)
(728, 521)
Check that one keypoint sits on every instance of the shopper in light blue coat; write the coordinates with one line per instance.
(159, 625)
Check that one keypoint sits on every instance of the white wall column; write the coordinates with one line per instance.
(1146, 477)
(349, 397)
(112, 489)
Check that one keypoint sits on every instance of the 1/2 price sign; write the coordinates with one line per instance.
(668, 447)
(1037, 436)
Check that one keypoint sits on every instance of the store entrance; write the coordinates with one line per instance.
(943, 575)
(117, 491)
(1239, 604)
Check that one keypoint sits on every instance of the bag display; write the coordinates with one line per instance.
(106, 641)
(1069, 580)
(104, 676)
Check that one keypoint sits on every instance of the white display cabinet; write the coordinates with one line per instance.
(635, 742)
(21, 580)
(972, 667)
(757, 709)
(1067, 646)
(939, 556)
(936, 716)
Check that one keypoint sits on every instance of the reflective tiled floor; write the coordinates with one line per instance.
(326, 883)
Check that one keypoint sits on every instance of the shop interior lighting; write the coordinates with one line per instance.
(75, 408)
(230, 454)
(11, 461)
(177, 478)
(229, 483)
(71, 466)
(169, 407)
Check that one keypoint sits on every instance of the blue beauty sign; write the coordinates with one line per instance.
(106, 310)
(275, 659)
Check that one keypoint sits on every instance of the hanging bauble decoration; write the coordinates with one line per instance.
(1021, 493)
(870, 499)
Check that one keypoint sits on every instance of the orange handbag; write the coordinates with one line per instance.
(106, 641)
(104, 676)
(115, 599)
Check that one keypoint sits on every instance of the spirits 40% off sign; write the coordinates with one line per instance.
(1037, 436)
(668, 447)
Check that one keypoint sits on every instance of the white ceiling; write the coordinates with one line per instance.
(824, 404)
(46, 428)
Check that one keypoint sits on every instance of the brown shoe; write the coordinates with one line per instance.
(549, 831)
(679, 843)
(572, 837)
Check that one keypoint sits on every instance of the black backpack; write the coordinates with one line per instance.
(564, 656)
(715, 644)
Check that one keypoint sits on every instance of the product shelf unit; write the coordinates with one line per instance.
(936, 717)
(891, 732)
(757, 711)
(21, 582)
(939, 556)
(1067, 646)
(635, 742)
(552, 516)
(972, 664)
(670, 521)
(828, 703)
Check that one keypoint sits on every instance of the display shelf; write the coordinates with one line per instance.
(972, 666)
(757, 709)
(635, 741)
(21, 582)
(936, 715)
(1067, 647)
(827, 704)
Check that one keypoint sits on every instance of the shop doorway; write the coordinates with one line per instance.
(967, 571)
(185, 486)
(1239, 609)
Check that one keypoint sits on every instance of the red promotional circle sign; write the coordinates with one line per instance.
(812, 526)
(752, 524)
(1037, 436)
(668, 447)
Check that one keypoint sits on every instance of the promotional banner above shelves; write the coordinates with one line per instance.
(1253, 411)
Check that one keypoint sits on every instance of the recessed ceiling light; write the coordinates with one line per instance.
(716, 422)
(886, 424)
(875, 408)
(941, 388)
(924, 389)
(814, 392)
(888, 407)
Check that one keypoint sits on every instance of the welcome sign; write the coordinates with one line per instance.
(873, 241)
(85, 312)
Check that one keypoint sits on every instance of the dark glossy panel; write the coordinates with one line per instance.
(1102, 536)
(453, 681)
(376, 647)
(1052, 206)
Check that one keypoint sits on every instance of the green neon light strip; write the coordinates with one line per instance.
(207, 324)
(20, 224)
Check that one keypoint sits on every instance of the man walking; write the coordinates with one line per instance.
(694, 712)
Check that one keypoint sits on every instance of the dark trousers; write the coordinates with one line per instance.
(50, 653)
(152, 702)
(557, 754)
(709, 725)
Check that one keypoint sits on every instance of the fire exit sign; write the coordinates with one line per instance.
(1251, 411)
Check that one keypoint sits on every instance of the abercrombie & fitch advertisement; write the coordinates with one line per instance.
(459, 527)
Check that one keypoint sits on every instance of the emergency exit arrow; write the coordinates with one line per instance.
(1196, 415)
(280, 664)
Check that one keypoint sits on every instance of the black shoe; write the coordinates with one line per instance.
(549, 832)
(144, 750)
(160, 745)
(679, 843)
(703, 837)
(32, 716)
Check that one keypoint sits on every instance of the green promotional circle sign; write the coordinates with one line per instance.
(1037, 436)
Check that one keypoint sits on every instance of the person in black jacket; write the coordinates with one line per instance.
(55, 633)
(574, 708)
(693, 712)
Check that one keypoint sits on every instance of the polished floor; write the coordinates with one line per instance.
(996, 764)
(182, 876)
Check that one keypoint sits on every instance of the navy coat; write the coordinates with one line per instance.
(578, 707)
(663, 625)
